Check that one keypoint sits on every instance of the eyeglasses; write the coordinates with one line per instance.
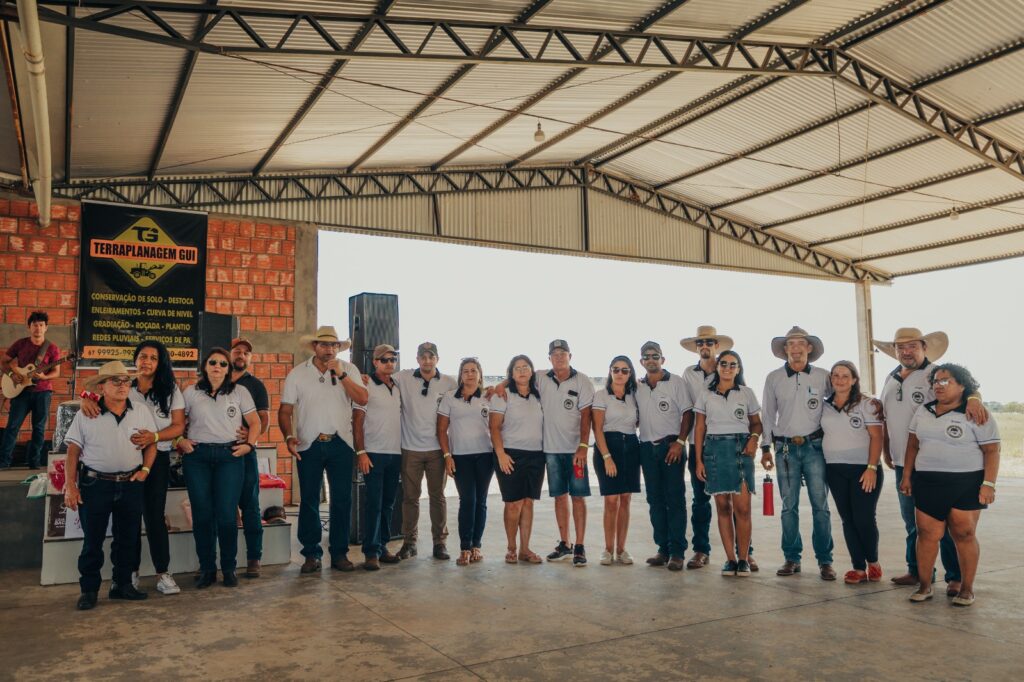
(388, 361)
(524, 368)
(470, 359)
(621, 370)
(941, 382)
(328, 344)
(217, 363)
(728, 365)
(120, 381)
(650, 356)
(705, 342)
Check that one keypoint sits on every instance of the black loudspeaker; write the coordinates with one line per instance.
(216, 331)
(358, 524)
(372, 320)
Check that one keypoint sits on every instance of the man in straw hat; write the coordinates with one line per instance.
(707, 343)
(316, 418)
(791, 413)
(906, 388)
(105, 476)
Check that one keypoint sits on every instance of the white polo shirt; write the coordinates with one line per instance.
(523, 426)
(469, 430)
(216, 420)
(727, 414)
(106, 440)
(382, 428)
(901, 398)
(419, 412)
(847, 440)
(793, 400)
(950, 442)
(620, 416)
(320, 406)
(162, 421)
(661, 408)
(696, 382)
(562, 403)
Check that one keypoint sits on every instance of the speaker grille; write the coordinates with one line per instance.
(372, 320)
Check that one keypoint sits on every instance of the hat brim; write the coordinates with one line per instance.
(690, 343)
(94, 381)
(779, 348)
(936, 345)
(310, 338)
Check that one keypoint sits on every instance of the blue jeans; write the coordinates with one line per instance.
(562, 476)
(249, 503)
(214, 481)
(381, 490)
(947, 548)
(473, 479)
(700, 508)
(102, 500)
(336, 458)
(38, 403)
(666, 497)
(804, 463)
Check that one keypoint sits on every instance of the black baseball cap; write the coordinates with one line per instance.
(558, 344)
(651, 345)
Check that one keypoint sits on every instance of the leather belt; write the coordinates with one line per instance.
(119, 477)
(800, 440)
(325, 437)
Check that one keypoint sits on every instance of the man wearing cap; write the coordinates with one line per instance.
(316, 419)
(422, 390)
(105, 475)
(791, 413)
(666, 414)
(377, 427)
(241, 360)
(707, 343)
(906, 388)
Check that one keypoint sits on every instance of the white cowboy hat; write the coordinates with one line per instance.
(114, 368)
(706, 331)
(326, 335)
(935, 343)
(779, 344)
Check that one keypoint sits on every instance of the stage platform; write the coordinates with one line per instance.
(426, 619)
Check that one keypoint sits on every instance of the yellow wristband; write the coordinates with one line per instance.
(974, 397)
(872, 466)
(146, 469)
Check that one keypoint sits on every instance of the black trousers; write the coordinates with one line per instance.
(154, 504)
(101, 501)
(857, 510)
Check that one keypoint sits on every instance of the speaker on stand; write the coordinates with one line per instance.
(215, 331)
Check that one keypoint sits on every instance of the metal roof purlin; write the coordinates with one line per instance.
(938, 245)
(69, 92)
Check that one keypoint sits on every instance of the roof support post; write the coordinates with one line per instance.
(865, 332)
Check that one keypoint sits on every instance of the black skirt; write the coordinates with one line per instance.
(937, 492)
(527, 475)
(625, 451)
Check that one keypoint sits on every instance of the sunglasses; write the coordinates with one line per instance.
(216, 363)
(710, 343)
(120, 381)
(728, 365)
(621, 370)
(388, 361)
(650, 356)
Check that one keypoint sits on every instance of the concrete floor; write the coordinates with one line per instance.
(427, 619)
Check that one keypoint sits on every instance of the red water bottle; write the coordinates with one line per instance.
(578, 470)
(768, 490)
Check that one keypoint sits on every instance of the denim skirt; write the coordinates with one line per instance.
(724, 464)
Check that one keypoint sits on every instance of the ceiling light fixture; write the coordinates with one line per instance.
(954, 214)
(539, 135)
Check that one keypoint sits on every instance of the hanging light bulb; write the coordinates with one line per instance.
(954, 214)
(538, 135)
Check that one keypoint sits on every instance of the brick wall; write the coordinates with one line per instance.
(250, 274)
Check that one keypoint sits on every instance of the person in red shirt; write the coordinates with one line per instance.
(33, 349)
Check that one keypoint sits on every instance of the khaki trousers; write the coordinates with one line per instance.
(414, 465)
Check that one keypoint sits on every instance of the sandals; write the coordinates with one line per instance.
(530, 558)
(874, 573)
(855, 577)
(475, 555)
(510, 557)
(463, 559)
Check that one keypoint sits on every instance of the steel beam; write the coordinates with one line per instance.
(69, 93)
(931, 246)
(962, 264)
(968, 64)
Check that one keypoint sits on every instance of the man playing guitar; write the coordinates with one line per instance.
(31, 350)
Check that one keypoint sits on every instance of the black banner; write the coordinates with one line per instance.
(143, 276)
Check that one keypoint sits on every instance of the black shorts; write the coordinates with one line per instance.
(625, 452)
(527, 475)
(937, 492)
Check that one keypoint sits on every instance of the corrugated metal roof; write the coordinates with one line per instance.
(1010, 129)
(814, 19)
(404, 214)
(714, 18)
(731, 253)
(622, 229)
(547, 219)
(985, 88)
(612, 15)
(983, 249)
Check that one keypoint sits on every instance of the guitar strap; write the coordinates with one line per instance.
(43, 350)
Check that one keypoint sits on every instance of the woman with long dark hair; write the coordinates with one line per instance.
(213, 463)
(725, 437)
(517, 433)
(464, 434)
(617, 455)
(852, 446)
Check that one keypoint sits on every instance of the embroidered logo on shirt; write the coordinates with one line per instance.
(739, 413)
(954, 431)
(568, 404)
(812, 404)
(439, 399)
(917, 397)
(232, 411)
(856, 422)
(484, 412)
(663, 405)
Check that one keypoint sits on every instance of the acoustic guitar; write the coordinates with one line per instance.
(12, 390)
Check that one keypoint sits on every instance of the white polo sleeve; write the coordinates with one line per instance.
(769, 411)
(498, 405)
(245, 401)
(177, 400)
(444, 408)
(290, 394)
(586, 398)
(914, 420)
(600, 400)
(867, 412)
(74, 434)
(189, 396)
(753, 407)
(986, 434)
(683, 396)
(700, 402)
(146, 420)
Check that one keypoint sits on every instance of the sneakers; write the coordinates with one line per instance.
(606, 558)
(579, 556)
(729, 567)
(166, 584)
(562, 551)
(743, 568)
(135, 579)
(624, 558)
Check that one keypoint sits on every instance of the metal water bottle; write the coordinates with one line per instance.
(768, 490)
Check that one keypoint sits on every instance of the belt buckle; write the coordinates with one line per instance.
(324, 438)
(798, 440)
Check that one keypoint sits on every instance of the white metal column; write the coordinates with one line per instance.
(865, 332)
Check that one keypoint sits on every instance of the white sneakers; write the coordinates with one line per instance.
(606, 558)
(624, 558)
(135, 579)
(166, 584)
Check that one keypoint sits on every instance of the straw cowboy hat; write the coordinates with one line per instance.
(114, 368)
(326, 335)
(935, 343)
(706, 331)
(779, 344)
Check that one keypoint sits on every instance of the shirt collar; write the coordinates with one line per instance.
(734, 387)
(551, 375)
(419, 375)
(665, 376)
(475, 394)
(105, 410)
(379, 381)
(961, 408)
(895, 374)
(790, 371)
(698, 368)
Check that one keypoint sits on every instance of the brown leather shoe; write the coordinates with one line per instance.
(389, 558)
(699, 560)
(407, 551)
(906, 580)
(252, 569)
(441, 552)
(827, 572)
(310, 565)
(788, 568)
(754, 568)
(675, 563)
(371, 564)
(658, 559)
(343, 564)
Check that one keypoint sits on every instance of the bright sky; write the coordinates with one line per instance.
(495, 303)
